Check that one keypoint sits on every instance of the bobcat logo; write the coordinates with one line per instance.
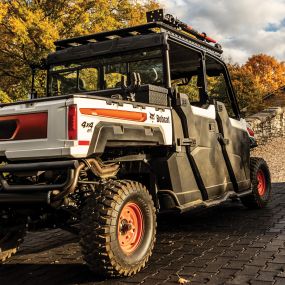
(152, 116)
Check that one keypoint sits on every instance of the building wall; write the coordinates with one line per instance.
(268, 123)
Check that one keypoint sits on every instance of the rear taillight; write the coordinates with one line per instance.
(72, 122)
(250, 132)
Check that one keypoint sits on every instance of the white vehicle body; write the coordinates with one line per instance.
(90, 112)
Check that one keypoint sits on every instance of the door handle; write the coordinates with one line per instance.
(212, 127)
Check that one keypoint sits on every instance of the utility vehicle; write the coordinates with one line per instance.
(135, 122)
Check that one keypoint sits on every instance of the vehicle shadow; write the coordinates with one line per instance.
(180, 238)
(33, 273)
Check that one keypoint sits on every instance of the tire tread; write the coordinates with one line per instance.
(100, 210)
(254, 201)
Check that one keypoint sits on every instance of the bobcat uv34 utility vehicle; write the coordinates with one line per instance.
(135, 122)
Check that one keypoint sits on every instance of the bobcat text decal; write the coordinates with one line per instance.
(162, 119)
(159, 119)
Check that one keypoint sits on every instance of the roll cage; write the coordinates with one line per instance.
(153, 35)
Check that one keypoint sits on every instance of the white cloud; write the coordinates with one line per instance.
(240, 26)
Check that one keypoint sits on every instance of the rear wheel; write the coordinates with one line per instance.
(12, 231)
(260, 184)
(118, 229)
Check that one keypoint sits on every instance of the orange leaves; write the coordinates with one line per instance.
(247, 88)
(269, 73)
(260, 75)
(183, 281)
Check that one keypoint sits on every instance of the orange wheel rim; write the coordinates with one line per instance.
(261, 187)
(130, 228)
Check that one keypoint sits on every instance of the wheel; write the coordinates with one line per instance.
(260, 185)
(12, 232)
(118, 228)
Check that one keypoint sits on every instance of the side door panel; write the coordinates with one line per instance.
(236, 144)
(201, 129)
(207, 152)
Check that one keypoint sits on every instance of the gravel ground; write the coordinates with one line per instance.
(274, 154)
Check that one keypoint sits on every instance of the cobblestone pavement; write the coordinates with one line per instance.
(227, 244)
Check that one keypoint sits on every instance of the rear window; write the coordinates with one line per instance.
(106, 73)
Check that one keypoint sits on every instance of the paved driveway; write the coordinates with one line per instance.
(224, 245)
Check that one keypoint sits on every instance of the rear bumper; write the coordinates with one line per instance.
(46, 153)
(34, 193)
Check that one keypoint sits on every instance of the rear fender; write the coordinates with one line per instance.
(124, 135)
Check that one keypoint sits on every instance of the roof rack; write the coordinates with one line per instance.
(155, 19)
(103, 36)
(160, 16)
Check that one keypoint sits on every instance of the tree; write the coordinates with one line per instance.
(247, 88)
(28, 29)
(260, 75)
(4, 98)
(268, 72)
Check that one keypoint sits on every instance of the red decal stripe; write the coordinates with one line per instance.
(83, 142)
(24, 126)
(115, 114)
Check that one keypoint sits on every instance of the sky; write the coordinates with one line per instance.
(242, 27)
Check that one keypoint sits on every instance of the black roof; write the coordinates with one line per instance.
(90, 49)
(149, 28)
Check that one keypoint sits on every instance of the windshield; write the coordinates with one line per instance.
(106, 73)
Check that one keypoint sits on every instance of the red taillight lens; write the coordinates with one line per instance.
(251, 132)
(72, 122)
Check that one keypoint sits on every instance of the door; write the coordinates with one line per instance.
(217, 167)
(208, 152)
(232, 131)
(198, 118)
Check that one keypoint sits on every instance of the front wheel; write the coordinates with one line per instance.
(260, 184)
(118, 228)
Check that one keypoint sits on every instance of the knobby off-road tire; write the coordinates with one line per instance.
(118, 229)
(11, 236)
(260, 185)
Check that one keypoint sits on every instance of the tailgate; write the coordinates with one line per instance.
(33, 130)
(78, 126)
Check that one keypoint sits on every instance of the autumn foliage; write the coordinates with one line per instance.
(260, 75)
(28, 29)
